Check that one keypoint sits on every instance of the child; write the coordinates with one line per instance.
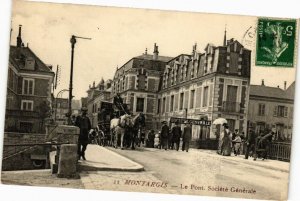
(156, 141)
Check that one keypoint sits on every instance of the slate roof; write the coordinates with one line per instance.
(269, 92)
(18, 56)
(150, 57)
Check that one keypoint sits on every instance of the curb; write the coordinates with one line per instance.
(138, 167)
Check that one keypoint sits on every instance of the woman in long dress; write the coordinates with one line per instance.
(226, 142)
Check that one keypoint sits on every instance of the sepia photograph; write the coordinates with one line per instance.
(147, 100)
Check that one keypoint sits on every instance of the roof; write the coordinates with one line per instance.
(269, 92)
(26, 52)
(150, 57)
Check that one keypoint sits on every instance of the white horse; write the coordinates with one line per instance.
(117, 128)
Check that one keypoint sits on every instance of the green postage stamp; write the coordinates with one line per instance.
(275, 43)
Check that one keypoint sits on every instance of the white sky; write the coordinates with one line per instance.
(124, 33)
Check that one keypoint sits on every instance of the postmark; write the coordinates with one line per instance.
(275, 43)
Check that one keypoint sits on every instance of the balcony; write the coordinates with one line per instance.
(22, 113)
(229, 106)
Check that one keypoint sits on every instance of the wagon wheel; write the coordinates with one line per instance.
(100, 139)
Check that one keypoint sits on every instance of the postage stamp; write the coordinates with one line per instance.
(275, 44)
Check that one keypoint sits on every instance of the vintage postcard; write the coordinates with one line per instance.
(143, 100)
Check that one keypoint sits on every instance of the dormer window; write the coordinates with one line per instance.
(29, 63)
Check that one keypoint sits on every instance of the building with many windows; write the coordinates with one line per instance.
(272, 107)
(198, 86)
(28, 101)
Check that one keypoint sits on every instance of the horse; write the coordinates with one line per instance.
(118, 127)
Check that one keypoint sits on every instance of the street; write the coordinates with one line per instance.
(203, 172)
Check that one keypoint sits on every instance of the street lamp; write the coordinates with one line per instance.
(73, 41)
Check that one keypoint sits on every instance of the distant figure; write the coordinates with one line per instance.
(237, 144)
(176, 133)
(236, 133)
(226, 145)
(186, 137)
(84, 124)
(150, 139)
(164, 135)
(250, 144)
(157, 141)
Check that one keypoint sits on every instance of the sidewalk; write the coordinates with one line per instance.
(269, 163)
(102, 159)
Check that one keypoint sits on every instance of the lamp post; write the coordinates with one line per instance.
(73, 41)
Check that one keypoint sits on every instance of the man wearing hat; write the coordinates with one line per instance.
(186, 137)
(250, 143)
(84, 124)
(164, 135)
(176, 133)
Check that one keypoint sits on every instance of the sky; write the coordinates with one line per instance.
(118, 34)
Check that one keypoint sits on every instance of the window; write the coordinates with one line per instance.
(205, 96)
(261, 109)
(27, 105)
(280, 111)
(192, 99)
(181, 101)
(140, 105)
(158, 106)
(164, 105)
(28, 86)
(172, 103)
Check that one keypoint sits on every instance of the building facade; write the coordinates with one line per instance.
(61, 108)
(138, 82)
(97, 94)
(28, 102)
(207, 86)
(272, 107)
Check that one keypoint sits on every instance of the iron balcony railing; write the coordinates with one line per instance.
(229, 106)
(22, 113)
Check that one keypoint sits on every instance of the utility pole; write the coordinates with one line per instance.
(73, 41)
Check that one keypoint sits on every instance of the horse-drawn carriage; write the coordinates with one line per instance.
(117, 127)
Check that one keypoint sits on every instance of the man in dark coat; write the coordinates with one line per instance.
(176, 133)
(250, 143)
(164, 135)
(84, 123)
(186, 137)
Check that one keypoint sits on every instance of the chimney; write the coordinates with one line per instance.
(19, 38)
(146, 51)
(284, 85)
(155, 52)
(224, 40)
(262, 82)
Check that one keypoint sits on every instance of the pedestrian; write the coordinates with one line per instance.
(237, 144)
(250, 144)
(236, 132)
(186, 137)
(157, 140)
(84, 124)
(150, 139)
(164, 135)
(226, 146)
(176, 133)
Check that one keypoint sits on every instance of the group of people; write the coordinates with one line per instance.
(252, 145)
(168, 138)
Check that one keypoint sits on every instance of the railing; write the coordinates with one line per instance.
(229, 106)
(23, 113)
(280, 151)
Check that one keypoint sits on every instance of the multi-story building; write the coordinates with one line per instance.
(97, 94)
(207, 86)
(138, 82)
(28, 102)
(272, 107)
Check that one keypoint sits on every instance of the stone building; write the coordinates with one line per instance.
(138, 82)
(97, 94)
(207, 85)
(28, 101)
(272, 107)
